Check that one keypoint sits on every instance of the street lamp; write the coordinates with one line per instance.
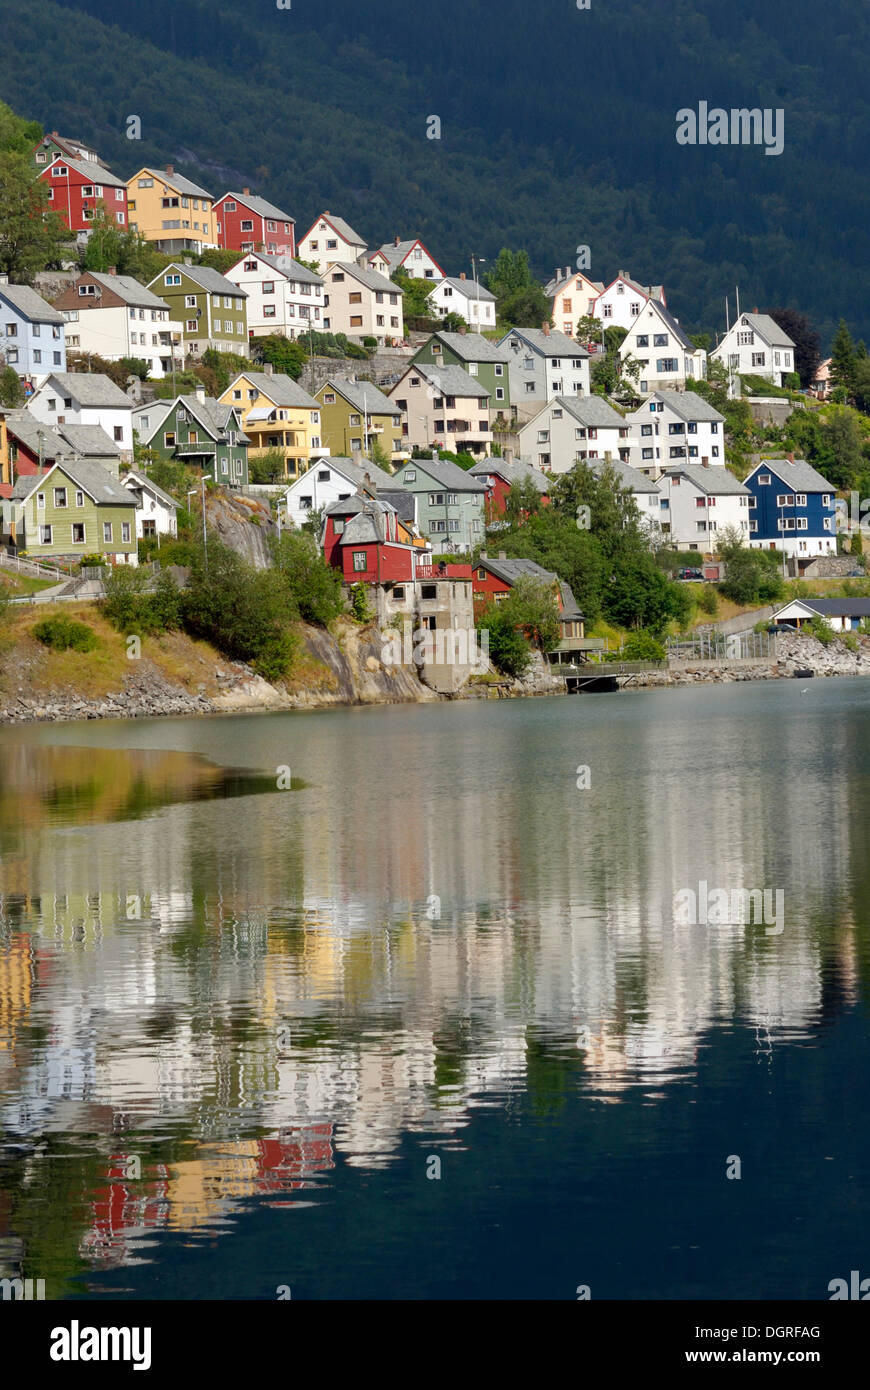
(206, 478)
(481, 260)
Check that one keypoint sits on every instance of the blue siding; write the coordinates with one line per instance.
(767, 513)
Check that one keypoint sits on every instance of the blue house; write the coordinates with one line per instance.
(31, 333)
(791, 508)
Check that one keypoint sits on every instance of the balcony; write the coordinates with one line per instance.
(434, 572)
(198, 450)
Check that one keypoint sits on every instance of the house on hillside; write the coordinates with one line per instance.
(199, 431)
(698, 502)
(647, 494)
(444, 407)
(244, 222)
(675, 425)
(791, 508)
(573, 429)
(115, 317)
(76, 188)
(86, 398)
(493, 581)
(755, 345)
(361, 303)
(355, 414)
(499, 475)
(156, 511)
(336, 479)
(484, 360)
(620, 302)
(171, 211)
(842, 614)
(32, 333)
(543, 363)
(277, 413)
(573, 296)
(330, 239)
(468, 298)
(33, 446)
(284, 297)
(409, 256)
(72, 510)
(450, 503)
(51, 145)
(668, 358)
(209, 308)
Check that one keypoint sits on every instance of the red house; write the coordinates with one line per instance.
(76, 189)
(499, 475)
(364, 538)
(248, 223)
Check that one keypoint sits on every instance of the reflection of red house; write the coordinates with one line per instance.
(499, 475)
(124, 1210)
(288, 1162)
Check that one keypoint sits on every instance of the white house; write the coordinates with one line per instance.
(32, 333)
(444, 407)
(330, 239)
(86, 398)
(116, 317)
(618, 305)
(331, 480)
(842, 614)
(468, 298)
(697, 502)
(672, 426)
(543, 364)
(156, 511)
(569, 430)
(756, 346)
(647, 494)
(409, 256)
(573, 297)
(361, 303)
(284, 297)
(667, 357)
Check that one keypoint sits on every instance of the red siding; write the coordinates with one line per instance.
(69, 202)
(232, 238)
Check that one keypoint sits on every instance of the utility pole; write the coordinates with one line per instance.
(206, 477)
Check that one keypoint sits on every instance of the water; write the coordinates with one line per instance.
(242, 1028)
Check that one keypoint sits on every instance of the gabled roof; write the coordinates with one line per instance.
(552, 287)
(362, 395)
(449, 380)
(29, 304)
(284, 265)
(91, 389)
(669, 321)
(472, 289)
(767, 328)
(592, 411)
(260, 206)
(372, 279)
(404, 504)
(358, 474)
(509, 571)
(90, 170)
(211, 414)
(128, 289)
(174, 180)
(203, 275)
(513, 471)
(92, 478)
(715, 481)
(396, 255)
(552, 344)
(799, 476)
(472, 347)
(444, 471)
(135, 480)
(648, 291)
(89, 441)
(836, 607)
(282, 390)
(338, 224)
(32, 432)
(628, 476)
(688, 405)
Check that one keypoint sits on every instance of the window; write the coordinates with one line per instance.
(172, 279)
(499, 369)
(785, 499)
(745, 339)
(40, 501)
(125, 532)
(323, 476)
(146, 183)
(436, 499)
(190, 325)
(11, 355)
(660, 340)
(190, 301)
(45, 535)
(676, 429)
(118, 434)
(802, 523)
(643, 340)
(268, 311)
(758, 359)
(410, 475)
(78, 533)
(60, 496)
(667, 364)
(646, 429)
(428, 590)
(356, 320)
(247, 225)
(169, 440)
(360, 562)
(764, 480)
(800, 499)
(268, 287)
(80, 499)
(37, 356)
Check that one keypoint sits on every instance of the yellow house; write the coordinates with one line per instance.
(277, 414)
(170, 210)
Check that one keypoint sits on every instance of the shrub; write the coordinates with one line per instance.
(642, 646)
(708, 600)
(62, 634)
(132, 605)
(820, 629)
(359, 603)
(313, 584)
(244, 611)
(850, 641)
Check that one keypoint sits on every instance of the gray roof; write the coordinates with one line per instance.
(449, 380)
(716, 480)
(289, 266)
(592, 411)
(29, 304)
(769, 329)
(129, 290)
(394, 254)
(651, 291)
(261, 207)
(206, 277)
(93, 478)
(178, 182)
(552, 344)
(355, 472)
(134, 480)
(404, 503)
(99, 174)
(362, 395)
(91, 389)
(89, 441)
(688, 405)
(628, 476)
(838, 607)
(472, 289)
(372, 279)
(570, 607)
(668, 319)
(552, 287)
(511, 570)
(343, 228)
(28, 429)
(472, 347)
(212, 414)
(281, 389)
(444, 471)
(513, 471)
(800, 476)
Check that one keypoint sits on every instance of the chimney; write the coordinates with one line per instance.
(372, 486)
(396, 242)
(199, 392)
(462, 274)
(246, 190)
(790, 458)
(268, 368)
(463, 328)
(545, 329)
(567, 272)
(558, 276)
(755, 310)
(483, 555)
(113, 270)
(170, 169)
(502, 554)
(4, 279)
(705, 462)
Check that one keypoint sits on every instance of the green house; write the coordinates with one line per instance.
(76, 508)
(210, 310)
(485, 361)
(199, 431)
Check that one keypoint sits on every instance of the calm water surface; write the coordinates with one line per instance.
(243, 1029)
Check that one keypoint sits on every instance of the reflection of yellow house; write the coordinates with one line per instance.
(277, 414)
(16, 988)
(171, 211)
(200, 1188)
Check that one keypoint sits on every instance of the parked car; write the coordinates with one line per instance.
(782, 627)
(691, 574)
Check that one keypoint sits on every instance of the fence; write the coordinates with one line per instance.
(34, 568)
(736, 646)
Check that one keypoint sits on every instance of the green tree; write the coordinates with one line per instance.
(32, 235)
(520, 300)
(218, 258)
(17, 136)
(523, 500)
(11, 391)
(246, 612)
(807, 343)
(313, 585)
(286, 355)
(267, 467)
(843, 358)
